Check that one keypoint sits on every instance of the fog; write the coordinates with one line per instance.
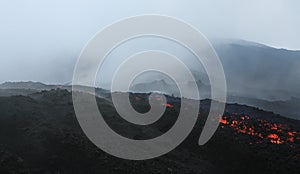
(41, 40)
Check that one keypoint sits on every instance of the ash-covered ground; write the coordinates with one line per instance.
(39, 133)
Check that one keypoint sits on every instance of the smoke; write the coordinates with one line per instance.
(40, 41)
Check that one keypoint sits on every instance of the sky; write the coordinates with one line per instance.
(40, 40)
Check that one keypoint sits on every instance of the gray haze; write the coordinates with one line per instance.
(41, 40)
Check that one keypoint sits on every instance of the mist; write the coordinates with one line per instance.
(41, 40)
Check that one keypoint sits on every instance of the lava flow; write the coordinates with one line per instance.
(264, 130)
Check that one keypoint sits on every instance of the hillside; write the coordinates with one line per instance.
(40, 134)
(258, 71)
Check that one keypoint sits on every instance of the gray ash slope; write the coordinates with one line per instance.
(39, 133)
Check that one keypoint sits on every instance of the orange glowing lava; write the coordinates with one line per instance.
(169, 105)
(223, 121)
(260, 128)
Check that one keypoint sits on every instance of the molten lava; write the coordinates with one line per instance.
(274, 138)
(169, 105)
(260, 128)
(223, 121)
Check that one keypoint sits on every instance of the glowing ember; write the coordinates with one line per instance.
(223, 121)
(273, 136)
(275, 139)
(291, 139)
(262, 129)
(169, 105)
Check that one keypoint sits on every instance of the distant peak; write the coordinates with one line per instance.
(247, 43)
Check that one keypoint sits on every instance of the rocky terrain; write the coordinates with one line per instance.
(39, 133)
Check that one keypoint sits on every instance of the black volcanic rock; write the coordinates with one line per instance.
(40, 134)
